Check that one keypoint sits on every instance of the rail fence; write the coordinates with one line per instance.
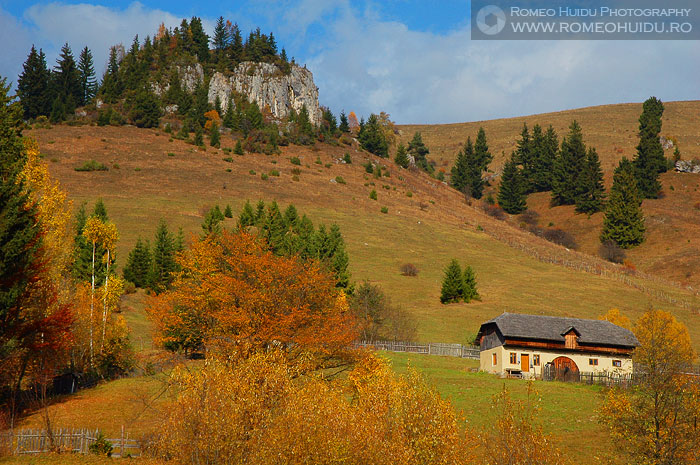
(550, 373)
(430, 348)
(37, 441)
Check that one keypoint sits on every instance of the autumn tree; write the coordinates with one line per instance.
(379, 318)
(656, 422)
(232, 291)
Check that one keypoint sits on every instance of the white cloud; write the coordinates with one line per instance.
(17, 42)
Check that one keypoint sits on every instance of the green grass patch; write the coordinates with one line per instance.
(92, 165)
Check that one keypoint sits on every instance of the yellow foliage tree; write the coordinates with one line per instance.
(616, 317)
(656, 423)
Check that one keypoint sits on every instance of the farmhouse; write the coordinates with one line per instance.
(525, 345)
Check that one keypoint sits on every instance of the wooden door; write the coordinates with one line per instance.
(525, 363)
(565, 369)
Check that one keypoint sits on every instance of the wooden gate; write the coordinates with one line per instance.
(565, 369)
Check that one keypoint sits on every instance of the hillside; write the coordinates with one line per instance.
(428, 228)
(671, 249)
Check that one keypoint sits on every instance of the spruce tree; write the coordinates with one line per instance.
(291, 217)
(238, 148)
(568, 166)
(200, 40)
(88, 80)
(260, 213)
(163, 259)
(33, 85)
(452, 283)
(417, 149)
(650, 161)
(525, 157)
(138, 265)
(401, 157)
(482, 158)
(229, 121)
(469, 291)
(112, 87)
(215, 136)
(274, 228)
(228, 213)
(247, 216)
(372, 138)
(591, 195)
(198, 135)
(511, 192)
(624, 219)
(544, 148)
(463, 171)
(66, 81)
(221, 38)
(146, 109)
(344, 126)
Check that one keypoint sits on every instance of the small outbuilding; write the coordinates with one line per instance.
(527, 345)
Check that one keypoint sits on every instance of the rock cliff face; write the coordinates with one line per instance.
(264, 84)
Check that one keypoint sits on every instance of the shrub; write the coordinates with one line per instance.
(494, 211)
(328, 165)
(373, 194)
(171, 154)
(129, 287)
(274, 173)
(101, 446)
(228, 159)
(369, 168)
(296, 171)
(409, 194)
(529, 217)
(409, 269)
(611, 252)
(384, 210)
(295, 161)
(561, 237)
(252, 172)
(238, 149)
(92, 165)
(340, 180)
(263, 177)
(227, 149)
(697, 206)
(490, 200)
(295, 178)
(347, 159)
(42, 122)
(318, 161)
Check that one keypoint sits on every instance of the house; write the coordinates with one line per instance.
(525, 345)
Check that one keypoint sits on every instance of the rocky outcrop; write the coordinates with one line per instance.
(266, 85)
(190, 76)
(688, 166)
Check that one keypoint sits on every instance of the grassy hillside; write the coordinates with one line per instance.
(151, 177)
(672, 248)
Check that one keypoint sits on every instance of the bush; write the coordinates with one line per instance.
(296, 171)
(373, 194)
(369, 168)
(409, 194)
(295, 161)
(318, 161)
(494, 211)
(347, 159)
(92, 165)
(529, 217)
(263, 177)
(409, 269)
(340, 180)
(252, 172)
(171, 154)
(101, 446)
(228, 159)
(561, 237)
(384, 210)
(295, 178)
(238, 149)
(611, 252)
(274, 173)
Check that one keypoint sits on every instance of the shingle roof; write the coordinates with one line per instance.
(550, 328)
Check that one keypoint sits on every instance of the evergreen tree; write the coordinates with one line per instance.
(228, 213)
(650, 161)
(145, 112)
(112, 86)
(524, 156)
(82, 251)
(33, 85)
(419, 151)
(544, 147)
(200, 40)
(452, 283)
(212, 221)
(66, 81)
(624, 219)
(215, 136)
(163, 259)
(274, 228)
(469, 291)
(511, 192)
(339, 259)
(305, 130)
(88, 80)
(100, 211)
(291, 217)
(372, 138)
(260, 213)
(236, 44)
(568, 166)
(238, 148)
(464, 169)
(247, 216)
(138, 265)
(221, 38)
(344, 126)
(401, 158)
(482, 159)
(592, 191)
(198, 135)
(330, 124)
(229, 118)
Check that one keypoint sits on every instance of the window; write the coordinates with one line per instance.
(495, 359)
(617, 363)
(593, 361)
(513, 358)
(536, 360)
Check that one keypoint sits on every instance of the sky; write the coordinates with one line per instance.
(411, 59)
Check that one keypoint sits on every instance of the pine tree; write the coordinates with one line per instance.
(88, 80)
(452, 283)
(544, 148)
(372, 138)
(112, 86)
(624, 219)
(221, 38)
(568, 166)
(511, 192)
(33, 85)
(163, 259)
(464, 168)
(650, 161)
(215, 136)
(238, 148)
(198, 135)
(200, 40)
(146, 109)
(344, 126)
(419, 151)
(469, 291)
(591, 195)
(139, 264)
(247, 216)
(401, 157)
(482, 158)
(66, 81)
(228, 213)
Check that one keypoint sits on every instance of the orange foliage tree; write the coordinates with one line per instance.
(657, 421)
(616, 317)
(235, 295)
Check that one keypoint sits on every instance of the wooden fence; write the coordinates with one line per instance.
(430, 348)
(37, 441)
(550, 373)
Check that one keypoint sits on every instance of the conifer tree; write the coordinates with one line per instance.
(419, 151)
(525, 157)
(66, 82)
(624, 219)
(260, 213)
(221, 38)
(112, 86)
(544, 152)
(482, 159)
(247, 216)
(274, 228)
(291, 217)
(200, 40)
(215, 136)
(650, 161)
(228, 213)
(138, 265)
(452, 283)
(401, 157)
(212, 221)
(88, 80)
(344, 126)
(464, 169)
(372, 138)
(146, 109)
(198, 135)
(568, 166)
(591, 194)
(469, 291)
(229, 120)
(33, 85)
(511, 192)
(238, 148)
(163, 259)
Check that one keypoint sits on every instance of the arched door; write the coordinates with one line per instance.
(565, 369)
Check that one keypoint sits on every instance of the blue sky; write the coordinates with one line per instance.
(412, 59)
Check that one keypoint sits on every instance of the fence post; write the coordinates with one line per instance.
(121, 449)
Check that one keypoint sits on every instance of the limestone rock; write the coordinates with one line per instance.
(688, 166)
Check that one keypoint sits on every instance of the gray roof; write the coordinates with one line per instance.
(551, 328)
